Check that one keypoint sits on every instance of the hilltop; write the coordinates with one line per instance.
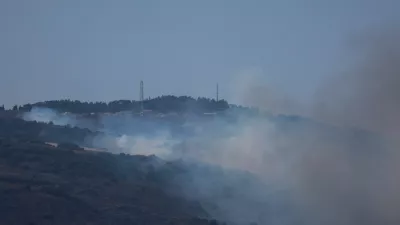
(162, 104)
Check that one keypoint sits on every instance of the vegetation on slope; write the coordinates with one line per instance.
(163, 104)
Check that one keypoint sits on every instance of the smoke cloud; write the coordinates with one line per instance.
(339, 167)
(345, 173)
(250, 88)
(356, 183)
(45, 115)
(367, 95)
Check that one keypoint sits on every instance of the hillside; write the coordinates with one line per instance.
(41, 184)
(162, 104)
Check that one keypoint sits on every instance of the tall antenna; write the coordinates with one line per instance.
(217, 93)
(141, 95)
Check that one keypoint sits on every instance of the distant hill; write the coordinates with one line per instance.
(162, 104)
(16, 128)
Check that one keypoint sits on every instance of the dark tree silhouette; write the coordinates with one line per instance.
(162, 104)
(31, 130)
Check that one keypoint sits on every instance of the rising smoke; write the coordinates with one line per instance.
(48, 115)
(343, 175)
(355, 184)
(298, 171)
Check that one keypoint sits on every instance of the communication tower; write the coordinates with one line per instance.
(141, 96)
(217, 98)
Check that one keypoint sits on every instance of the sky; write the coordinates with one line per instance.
(98, 50)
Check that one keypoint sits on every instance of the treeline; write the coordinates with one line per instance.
(27, 130)
(163, 104)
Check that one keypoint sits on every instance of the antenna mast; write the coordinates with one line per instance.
(141, 95)
(217, 93)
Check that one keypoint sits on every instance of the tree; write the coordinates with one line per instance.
(163, 104)
(15, 108)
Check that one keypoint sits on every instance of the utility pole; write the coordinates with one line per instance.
(217, 94)
(141, 96)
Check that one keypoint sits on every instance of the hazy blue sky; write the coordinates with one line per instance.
(100, 50)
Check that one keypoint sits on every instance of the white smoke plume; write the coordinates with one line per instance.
(46, 115)
(339, 175)
(311, 173)
(250, 88)
(342, 173)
